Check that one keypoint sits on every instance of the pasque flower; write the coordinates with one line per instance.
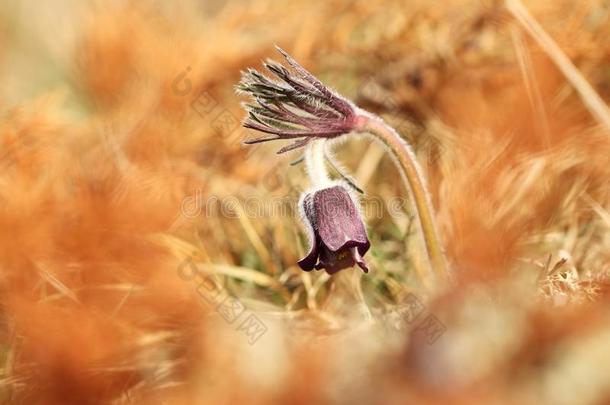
(337, 235)
(297, 106)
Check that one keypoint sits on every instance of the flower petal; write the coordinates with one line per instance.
(308, 263)
(338, 220)
(359, 260)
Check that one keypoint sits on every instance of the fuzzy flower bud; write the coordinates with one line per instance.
(296, 106)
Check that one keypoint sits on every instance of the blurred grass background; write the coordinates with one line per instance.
(118, 116)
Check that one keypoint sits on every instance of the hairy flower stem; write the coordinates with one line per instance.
(316, 166)
(415, 184)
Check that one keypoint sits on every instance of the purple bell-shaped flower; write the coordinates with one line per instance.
(337, 233)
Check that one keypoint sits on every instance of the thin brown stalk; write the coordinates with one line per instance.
(415, 184)
(590, 98)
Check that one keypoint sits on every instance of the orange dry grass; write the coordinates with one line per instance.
(95, 173)
(77, 249)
